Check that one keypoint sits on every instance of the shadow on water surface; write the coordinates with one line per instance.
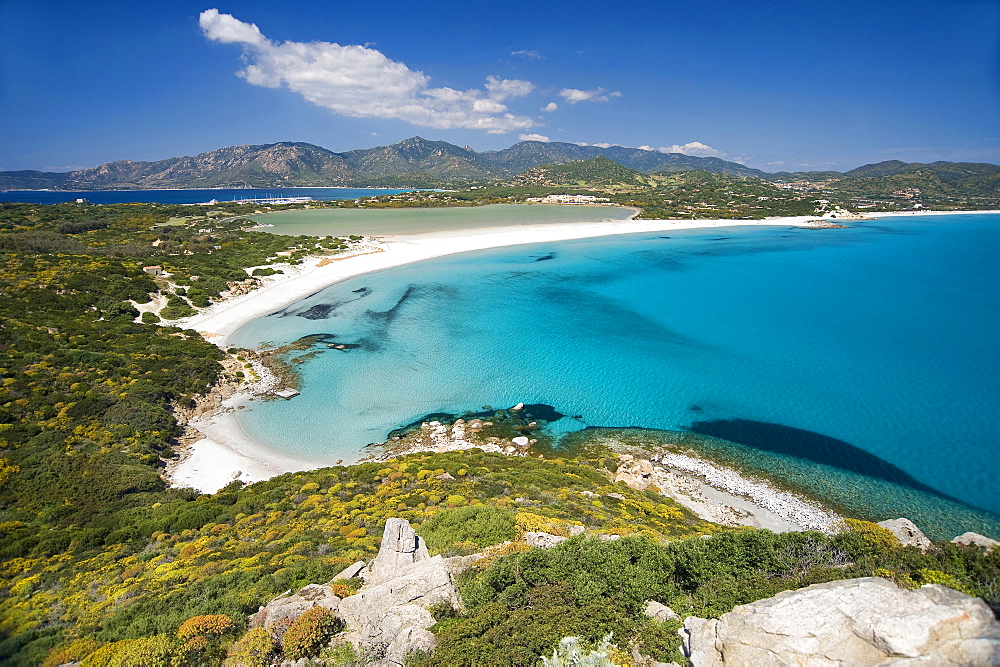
(321, 311)
(816, 447)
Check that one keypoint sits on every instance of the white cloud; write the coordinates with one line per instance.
(502, 89)
(646, 148)
(534, 137)
(528, 54)
(550, 107)
(695, 148)
(361, 82)
(574, 95)
(603, 144)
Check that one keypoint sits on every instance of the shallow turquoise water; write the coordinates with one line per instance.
(859, 363)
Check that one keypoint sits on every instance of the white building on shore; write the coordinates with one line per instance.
(568, 199)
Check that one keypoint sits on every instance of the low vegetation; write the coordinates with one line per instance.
(101, 563)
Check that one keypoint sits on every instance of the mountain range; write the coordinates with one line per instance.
(418, 162)
(414, 161)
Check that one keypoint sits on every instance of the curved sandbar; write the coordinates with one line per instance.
(219, 322)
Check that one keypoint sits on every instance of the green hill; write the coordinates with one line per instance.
(597, 172)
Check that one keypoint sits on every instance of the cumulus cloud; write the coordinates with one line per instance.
(550, 107)
(527, 54)
(502, 89)
(362, 82)
(574, 95)
(695, 148)
(534, 137)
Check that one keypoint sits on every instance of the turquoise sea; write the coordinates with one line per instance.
(858, 364)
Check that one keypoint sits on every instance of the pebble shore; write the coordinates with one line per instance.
(788, 506)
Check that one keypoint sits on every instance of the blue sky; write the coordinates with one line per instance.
(777, 85)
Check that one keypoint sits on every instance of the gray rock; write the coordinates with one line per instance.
(279, 613)
(520, 441)
(359, 569)
(907, 533)
(543, 540)
(631, 481)
(378, 614)
(659, 611)
(409, 639)
(856, 621)
(976, 539)
(400, 548)
(642, 467)
(576, 529)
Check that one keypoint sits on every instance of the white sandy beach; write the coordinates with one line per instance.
(219, 322)
(213, 462)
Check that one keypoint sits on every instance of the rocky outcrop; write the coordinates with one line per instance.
(659, 611)
(543, 540)
(279, 613)
(434, 436)
(677, 476)
(852, 622)
(907, 533)
(401, 546)
(359, 569)
(389, 618)
(975, 539)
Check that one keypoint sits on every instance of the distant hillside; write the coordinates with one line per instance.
(416, 155)
(527, 154)
(414, 162)
(936, 179)
(595, 172)
(270, 165)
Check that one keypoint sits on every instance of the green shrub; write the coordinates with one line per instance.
(150, 318)
(254, 649)
(143, 652)
(73, 652)
(211, 625)
(468, 528)
(341, 654)
(307, 635)
(176, 308)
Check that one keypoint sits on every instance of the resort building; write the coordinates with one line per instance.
(568, 199)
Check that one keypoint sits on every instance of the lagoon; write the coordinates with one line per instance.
(389, 221)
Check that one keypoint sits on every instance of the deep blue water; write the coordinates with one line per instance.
(860, 364)
(197, 196)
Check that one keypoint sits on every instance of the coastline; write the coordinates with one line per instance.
(226, 449)
(226, 452)
(219, 322)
